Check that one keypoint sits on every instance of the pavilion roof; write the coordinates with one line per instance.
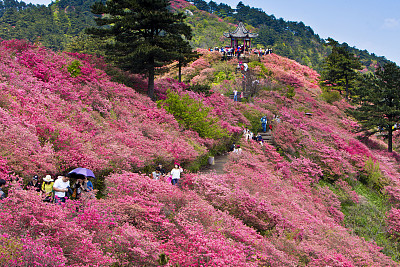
(240, 32)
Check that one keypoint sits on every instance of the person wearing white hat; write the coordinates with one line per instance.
(47, 188)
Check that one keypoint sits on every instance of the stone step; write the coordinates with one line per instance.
(267, 137)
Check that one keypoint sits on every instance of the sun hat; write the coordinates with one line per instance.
(48, 178)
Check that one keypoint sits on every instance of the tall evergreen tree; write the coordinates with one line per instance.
(378, 100)
(340, 68)
(143, 34)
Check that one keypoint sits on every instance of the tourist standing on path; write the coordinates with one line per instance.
(176, 174)
(235, 92)
(264, 122)
(61, 187)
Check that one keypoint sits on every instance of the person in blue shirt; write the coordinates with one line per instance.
(89, 185)
(264, 123)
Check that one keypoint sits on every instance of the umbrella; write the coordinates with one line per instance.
(82, 171)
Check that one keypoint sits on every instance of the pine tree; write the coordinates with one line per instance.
(377, 100)
(185, 54)
(340, 68)
(143, 33)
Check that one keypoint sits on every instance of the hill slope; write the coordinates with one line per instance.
(292, 208)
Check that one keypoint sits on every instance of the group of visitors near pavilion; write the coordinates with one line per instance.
(230, 52)
(241, 40)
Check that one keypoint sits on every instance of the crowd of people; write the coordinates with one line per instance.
(55, 191)
(229, 52)
(172, 177)
(81, 188)
(249, 135)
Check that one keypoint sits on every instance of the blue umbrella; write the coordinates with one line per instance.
(82, 171)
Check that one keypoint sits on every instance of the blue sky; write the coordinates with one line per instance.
(365, 24)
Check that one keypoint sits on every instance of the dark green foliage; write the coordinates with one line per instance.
(144, 34)
(163, 259)
(330, 96)
(377, 100)
(200, 88)
(185, 55)
(53, 26)
(340, 68)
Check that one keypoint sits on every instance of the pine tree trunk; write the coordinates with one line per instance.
(150, 85)
(390, 139)
(180, 71)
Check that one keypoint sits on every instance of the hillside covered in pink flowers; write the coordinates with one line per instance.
(321, 195)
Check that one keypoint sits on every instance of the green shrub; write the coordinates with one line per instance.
(372, 175)
(264, 70)
(222, 76)
(290, 93)
(192, 114)
(254, 118)
(330, 96)
(74, 68)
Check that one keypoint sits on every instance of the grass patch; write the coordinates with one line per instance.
(367, 219)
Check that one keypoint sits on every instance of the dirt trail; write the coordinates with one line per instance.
(218, 167)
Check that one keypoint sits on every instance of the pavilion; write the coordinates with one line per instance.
(241, 35)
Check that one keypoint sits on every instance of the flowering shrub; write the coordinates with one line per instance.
(393, 221)
(59, 121)
(267, 209)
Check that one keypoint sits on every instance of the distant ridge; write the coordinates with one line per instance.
(60, 26)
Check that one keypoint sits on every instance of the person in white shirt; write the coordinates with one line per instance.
(176, 174)
(61, 187)
(235, 95)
